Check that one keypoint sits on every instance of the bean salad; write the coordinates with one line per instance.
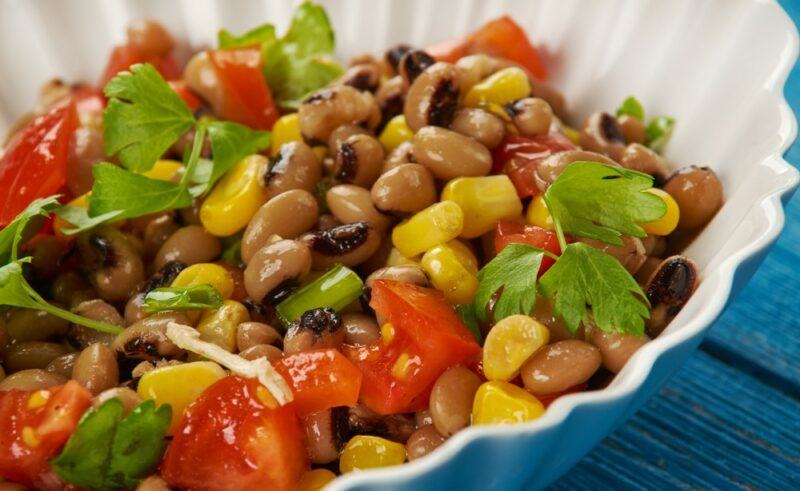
(252, 267)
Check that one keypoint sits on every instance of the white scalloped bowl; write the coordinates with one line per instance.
(718, 66)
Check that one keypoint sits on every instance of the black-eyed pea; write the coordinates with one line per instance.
(69, 285)
(364, 77)
(423, 418)
(451, 399)
(268, 351)
(157, 232)
(129, 398)
(220, 326)
(601, 133)
(532, 116)
(271, 266)
(360, 329)
(85, 150)
(326, 221)
(149, 38)
(296, 166)
(550, 95)
(391, 96)
(393, 55)
(559, 366)
(359, 160)
(32, 379)
(412, 64)
(316, 329)
(698, 192)
(480, 125)
(668, 289)
(423, 441)
(326, 432)
(350, 204)
(640, 158)
(406, 273)
(615, 348)
(153, 483)
(188, 245)
(402, 154)
(249, 334)
(32, 354)
(475, 68)
(342, 133)
(432, 98)
(631, 254)
(96, 368)
(287, 215)
(632, 128)
(329, 108)
(448, 154)
(200, 75)
(34, 325)
(98, 310)
(111, 262)
(46, 257)
(147, 339)
(350, 244)
(62, 365)
(551, 167)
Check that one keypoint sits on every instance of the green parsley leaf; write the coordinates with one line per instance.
(198, 297)
(132, 195)
(230, 143)
(514, 270)
(12, 236)
(631, 107)
(602, 202)
(144, 117)
(232, 249)
(261, 34)
(586, 277)
(467, 314)
(658, 132)
(107, 451)
(310, 32)
(79, 217)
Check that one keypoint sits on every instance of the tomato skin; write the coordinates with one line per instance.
(427, 330)
(235, 436)
(124, 56)
(501, 37)
(192, 101)
(518, 157)
(517, 233)
(52, 424)
(320, 379)
(246, 96)
(34, 164)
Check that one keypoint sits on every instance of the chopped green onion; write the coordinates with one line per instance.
(658, 132)
(631, 107)
(335, 289)
(198, 297)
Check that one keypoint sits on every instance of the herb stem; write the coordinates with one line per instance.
(78, 319)
(194, 156)
(562, 241)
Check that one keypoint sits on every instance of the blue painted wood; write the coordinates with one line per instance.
(730, 418)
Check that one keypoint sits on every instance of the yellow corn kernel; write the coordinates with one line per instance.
(439, 223)
(396, 259)
(38, 399)
(387, 332)
(667, 223)
(501, 87)
(235, 198)
(538, 214)
(484, 201)
(571, 133)
(402, 365)
(30, 437)
(206, 274)
(265, 396)
(286, 129)
(320, 151)
(219, 326)
(504, 403)
(449, 274)
(395, 133)
(178, 386)
(465, 255)
(368, 452)
(510, 343)
(165, 170)
(314, 480)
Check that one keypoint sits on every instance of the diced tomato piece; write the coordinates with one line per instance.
(246, 97)
(517, 233)
(123, 57)
(320, 379)
(236, 436)
(518, 156)
(192, 101)
(500, 37)
(428, 338)
(34, 425)
(34, 164)
(88, 99)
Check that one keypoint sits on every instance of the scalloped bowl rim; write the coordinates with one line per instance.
(640, 365)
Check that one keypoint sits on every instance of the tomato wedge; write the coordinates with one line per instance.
(320, 379)
(246, 98)
(34, 425)
(34, 164)
(501, 37)
(518, 156)
(123, 57)
(517, 233)
(236, 436)
(400, 369)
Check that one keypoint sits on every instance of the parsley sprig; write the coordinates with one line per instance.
(197, 297)
(657, 132)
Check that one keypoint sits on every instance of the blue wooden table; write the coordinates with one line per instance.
(730, 418)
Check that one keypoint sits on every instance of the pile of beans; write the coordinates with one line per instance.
(354, 177)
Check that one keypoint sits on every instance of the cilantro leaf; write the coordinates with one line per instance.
(79, 217)
(631, 107)
(200, 297)
(603, 202)
(13, 234)
(310, 32)
(586, 277)
(144, 117)
(230, 143)
(514, 270)
(132, 195)
(261, 34)
(108, 451)
(658, 132)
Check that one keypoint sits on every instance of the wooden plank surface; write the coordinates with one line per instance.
(730, 419)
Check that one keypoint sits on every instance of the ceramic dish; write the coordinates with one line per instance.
(718, 66)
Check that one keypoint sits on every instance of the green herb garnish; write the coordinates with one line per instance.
(631, 107)
(658, 132)
(336, 289)
(198, 297)
(109, 451)
(11, 236)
